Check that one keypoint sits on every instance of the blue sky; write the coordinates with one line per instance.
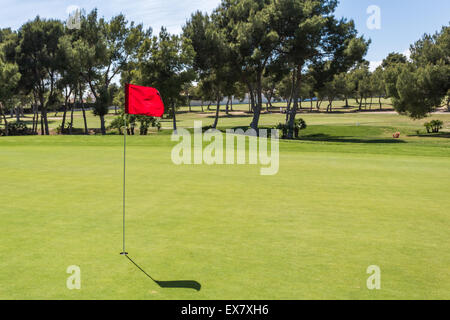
(402, 21)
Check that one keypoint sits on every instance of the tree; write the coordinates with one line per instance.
(335, 88)
(311, 35)
(284, 88)
(424, 83)
(360, 77)
(274, 74)
(393, 58)
(105, 48)
(38, 57)
(70, 83)
(164, 63)
(249, 33)
(9, 78)
(378, 86)
(212, 57)
(419, 90)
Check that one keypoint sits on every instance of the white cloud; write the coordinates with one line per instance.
(407, 53)
(374, 65)
(152, 13)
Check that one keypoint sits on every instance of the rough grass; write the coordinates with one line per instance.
(347, 196)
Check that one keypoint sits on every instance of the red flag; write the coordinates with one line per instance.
(143, 101)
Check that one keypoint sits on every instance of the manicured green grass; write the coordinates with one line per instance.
(347, 196)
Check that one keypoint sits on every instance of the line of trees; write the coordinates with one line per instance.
(280, 49)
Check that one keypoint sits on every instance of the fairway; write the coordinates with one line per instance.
(347, 196)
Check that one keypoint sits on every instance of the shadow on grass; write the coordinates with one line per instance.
(176, 284)
(223, 116)
(328, 138)
(433, 135)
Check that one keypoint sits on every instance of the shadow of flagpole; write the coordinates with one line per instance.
(180, 284)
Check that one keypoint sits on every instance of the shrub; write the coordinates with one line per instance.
(66, 129)
(144, 124)
(299, 124)
(117, 124)
(434, 126)
(17, 129)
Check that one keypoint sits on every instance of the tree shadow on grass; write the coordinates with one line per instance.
(433, 135)
(223, 116)
(327, 138)
(177, 284)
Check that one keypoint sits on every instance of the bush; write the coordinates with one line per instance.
(145, 122)
(17, 129)
(299, 124)
(434, 126)
(66, 129)
(118, 123)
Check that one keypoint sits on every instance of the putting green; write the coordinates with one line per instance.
(345, 198)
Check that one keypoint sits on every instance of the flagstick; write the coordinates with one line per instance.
(124, 253)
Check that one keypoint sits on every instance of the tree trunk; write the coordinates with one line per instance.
(202, 107)
(44, 117)
(42, 125)
(379, 101)
(319, 103)
(293, 112)
(252, 102)
(258, 107)
(189, 104)
(227, 108)
(216, 120)
(34, 118)
(4, 119)
(71, 120)
(271, 97)
(330, 105)
(36, 121)
(86, 130)
(63, 125)
(231, 106)
(175, 118)
(44, 120)
(102, 124)
(17, 113)
(288, 108)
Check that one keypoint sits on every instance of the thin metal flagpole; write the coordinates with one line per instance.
(124, 179)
